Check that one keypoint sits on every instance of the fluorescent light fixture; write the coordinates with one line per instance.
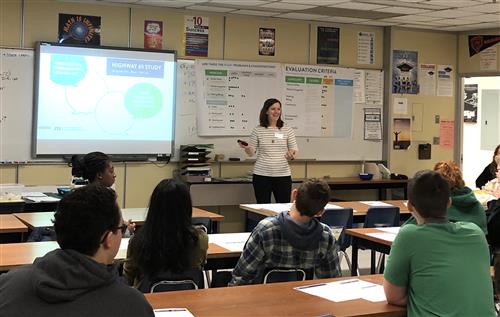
(344, 20)
(255, 12)
(402, 10)
(286, 6)
(209, 8)
(301, 16)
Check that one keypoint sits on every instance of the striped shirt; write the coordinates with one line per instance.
(271, 145)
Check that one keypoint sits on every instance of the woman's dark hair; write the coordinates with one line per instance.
(493, 164)
(89, 165)
(263, 119)
(166, 240)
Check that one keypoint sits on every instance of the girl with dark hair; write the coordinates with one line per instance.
(490, 170)
(95, 167)
(167, 241)
(274, 144)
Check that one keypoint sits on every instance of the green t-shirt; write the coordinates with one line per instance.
(445, 268)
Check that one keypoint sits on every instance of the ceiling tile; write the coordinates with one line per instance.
(287, 6)
(343, 20)
(300, 16)
(416, 18)
(255, 12)
(357, 6)
(402, 10)
(379, 23)
(486, 8)
(395, 3)
(241, 2)
(315, 2)
(166, 3)
(457, 21)
(210, 8)
(453, 3)
(418, 26)
(451, 13)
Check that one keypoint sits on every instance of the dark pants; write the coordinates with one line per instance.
(263, 186)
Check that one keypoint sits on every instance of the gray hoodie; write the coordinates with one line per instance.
(303, 236)
(68, 283)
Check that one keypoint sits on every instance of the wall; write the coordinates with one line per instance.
(296, 43)
(471, 65)
(433, 48)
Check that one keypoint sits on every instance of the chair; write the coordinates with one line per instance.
(379, 217)
(340, 218)
(276, 275)
(168, 281)
(11, 207)
(203, 221)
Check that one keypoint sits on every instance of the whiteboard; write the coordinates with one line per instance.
(16, 103)
(319, 148)
(16, 107)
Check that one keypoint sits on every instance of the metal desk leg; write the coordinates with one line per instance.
(354, 256)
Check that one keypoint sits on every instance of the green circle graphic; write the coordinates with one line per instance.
(143, 100)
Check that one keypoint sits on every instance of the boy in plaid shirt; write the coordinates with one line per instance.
(293, 239)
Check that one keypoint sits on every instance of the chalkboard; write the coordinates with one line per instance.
(16, 107)
(16, 104)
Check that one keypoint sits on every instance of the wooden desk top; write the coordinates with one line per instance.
(16, 254)
(278, 299)
(363, 234)
(357, 180)
(10, 224)
(138, 215)
(359, 207)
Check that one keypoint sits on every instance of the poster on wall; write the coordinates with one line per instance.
(79, 29)
(445, 80)
(402, 133)
(366, 48)
(267, 41)
(196, 36)
(478, 43)
(470, 103)
(327, 49)
(373, 124)
(446, 136)
(488, 59)
(427, 79)
(153, 34)
(404, 72)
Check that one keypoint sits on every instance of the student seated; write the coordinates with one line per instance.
(438, 267)
(167, 242)
(464, 205)
(79, 279)
(293, 239)
(94, 167)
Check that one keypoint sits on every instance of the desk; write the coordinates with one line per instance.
(11, 229)
(220, 192)
(359, 207)
(361, 238)
(138, 215)
(278, 299)
(16, 254)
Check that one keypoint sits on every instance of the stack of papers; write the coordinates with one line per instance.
(39, 197)
(346, 290)
(172, 312)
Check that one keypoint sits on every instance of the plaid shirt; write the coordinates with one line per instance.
(266, 248)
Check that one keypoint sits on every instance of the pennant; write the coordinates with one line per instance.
(478, 43)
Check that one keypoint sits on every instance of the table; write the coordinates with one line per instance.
(361, 237)
(278, 299)
(138, 215)
(218, 257)
(224, 192)
(360, 208)
(11, 229)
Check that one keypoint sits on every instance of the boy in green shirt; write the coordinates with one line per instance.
(438, 268)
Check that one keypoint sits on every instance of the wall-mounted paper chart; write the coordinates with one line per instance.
(231, 94)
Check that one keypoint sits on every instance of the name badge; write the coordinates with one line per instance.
(279, 135)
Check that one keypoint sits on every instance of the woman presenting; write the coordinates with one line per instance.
(490, 170)
(274, 144)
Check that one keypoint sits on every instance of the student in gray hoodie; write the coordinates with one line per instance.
(79, 279)
(293, 239)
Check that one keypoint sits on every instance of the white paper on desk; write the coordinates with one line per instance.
(231, 241)
(337, 291)
(277, 208)
(376, 203)
(383, 236)
(393, 230)
(332, 206)
(42, 199)
(172, 312)
(373, 293)
(33, 194)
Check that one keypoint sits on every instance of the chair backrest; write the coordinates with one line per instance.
(339, 218)
(382, 217)
(169, 286)
(276, 275)
(203, 221)
(168, 281)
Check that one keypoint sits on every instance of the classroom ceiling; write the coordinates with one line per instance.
(443, 15)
